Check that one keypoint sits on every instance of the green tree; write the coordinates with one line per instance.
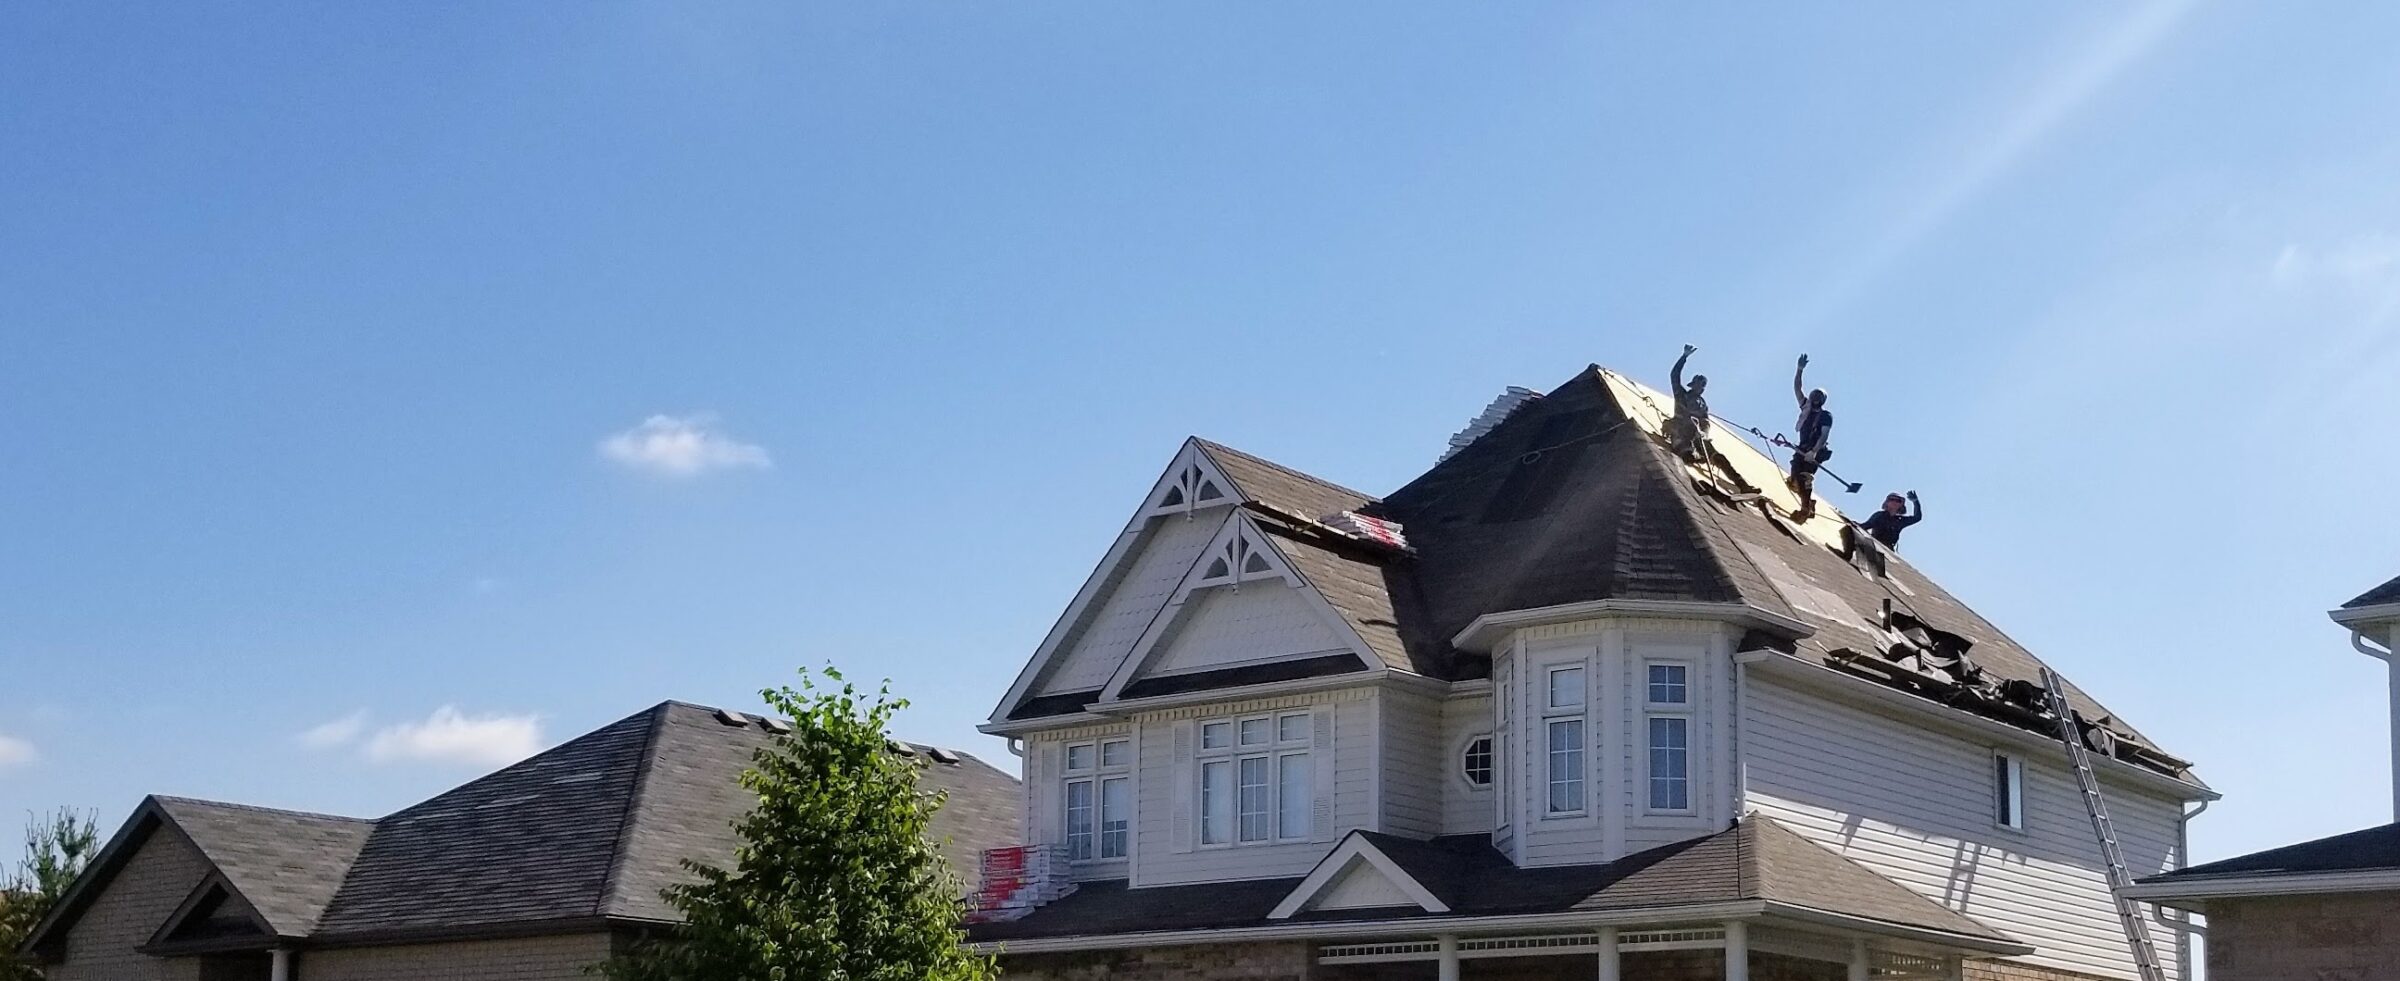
(57, 846)
(833, 879)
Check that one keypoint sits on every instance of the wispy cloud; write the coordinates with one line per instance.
(681, 446)
(337, 733)
(451, 736)
(16, 752)
(1979, 161)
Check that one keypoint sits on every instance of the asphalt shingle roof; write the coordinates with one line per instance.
(2387, 593)
(1756, 859)
(287, 864)
(2371, 849)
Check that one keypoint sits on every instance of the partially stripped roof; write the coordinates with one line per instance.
(1573, 497)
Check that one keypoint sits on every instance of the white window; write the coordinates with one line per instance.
(1098, 798)
(1563, 727)
(1475, 761)
(1667, 723)
(2008, 791)
(1257, 784)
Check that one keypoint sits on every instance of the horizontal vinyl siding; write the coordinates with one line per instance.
(1255, 621)
(1158, 860)
(1413, 770)
(1465, 809)
(1917, 806)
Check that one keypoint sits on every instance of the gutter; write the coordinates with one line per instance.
(2366, 615)
(2181, 891)
(1487, 630)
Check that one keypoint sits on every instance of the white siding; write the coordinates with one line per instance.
(1465, 809)
(1415, 764)
(1045, 793)
(1168, 547)
(1163, 856)
(1259, 620)
(1917, 806)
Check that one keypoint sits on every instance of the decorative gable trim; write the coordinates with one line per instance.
(1241, 553)
(1356, 856)
(1191, 483)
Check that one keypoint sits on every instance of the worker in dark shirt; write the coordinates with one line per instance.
(1887, 523)
(1688, 431)
(1815, 427)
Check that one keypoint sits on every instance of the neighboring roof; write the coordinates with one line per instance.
(2374, 849)
(2387, 593)
(286, 864)
(1757, 859)
(585, 833)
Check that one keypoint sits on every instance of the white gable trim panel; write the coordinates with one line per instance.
(1190, 461)
(1240, 554)
(1357, 875)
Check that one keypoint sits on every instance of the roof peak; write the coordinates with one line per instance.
(231, 806)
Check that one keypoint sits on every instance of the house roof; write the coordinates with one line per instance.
(2381, 595)
(1572, 498)
(584, 833)
(1757, 859)
(286, 864)
(2372, 849)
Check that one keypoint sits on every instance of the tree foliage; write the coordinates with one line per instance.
(57, 846)
(834, 878)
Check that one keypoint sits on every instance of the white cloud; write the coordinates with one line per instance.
(451, 736)
(16, 752)
(2369, 261)
(339, 732)
(681, 446)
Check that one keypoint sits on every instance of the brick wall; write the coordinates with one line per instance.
(1293, 962)
(2017, 971)
(1236, 962)
(100, 947)
(521, 959)
(2353, 937)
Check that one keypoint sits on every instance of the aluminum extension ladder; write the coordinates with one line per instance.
(2129, 911)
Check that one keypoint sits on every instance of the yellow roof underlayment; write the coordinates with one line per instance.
(1650, 408)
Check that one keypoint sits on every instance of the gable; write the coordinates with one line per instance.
(132, 888)
(214, 916)
(1241, 602)
(1165, 551)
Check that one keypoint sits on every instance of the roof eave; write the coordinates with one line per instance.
(1730, 910)
(2183, 893)
(1018, 727)
(2358, 617)
(2000, 946)
(1486, 632)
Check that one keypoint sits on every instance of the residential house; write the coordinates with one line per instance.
(1562, 706)
(533, 873)
(2323, 910)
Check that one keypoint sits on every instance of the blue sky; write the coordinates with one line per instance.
(316, 324)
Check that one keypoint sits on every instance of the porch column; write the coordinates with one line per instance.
(1862, 967)
(281, 967)
(1608, 954)
(1737, 951)
(1449, 948)
(1954, 968)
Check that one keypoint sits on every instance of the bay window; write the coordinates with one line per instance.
(1563, 700)
(1668, 704)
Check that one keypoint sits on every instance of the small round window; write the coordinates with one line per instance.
(1475, 762)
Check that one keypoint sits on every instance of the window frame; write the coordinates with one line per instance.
(1491, 761)
(1554, 715)
(2008, 791)
(1275, 753)
(1684, 710)
(1096, 776)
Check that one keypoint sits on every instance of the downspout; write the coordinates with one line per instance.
(2182, 923)
(2366, 646)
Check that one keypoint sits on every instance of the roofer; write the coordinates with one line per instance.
(1687, 432)
(1815, 427)
(1888, 521)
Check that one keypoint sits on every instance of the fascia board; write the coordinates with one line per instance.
(1489, 629)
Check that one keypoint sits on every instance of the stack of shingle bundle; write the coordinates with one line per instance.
(1019, 878)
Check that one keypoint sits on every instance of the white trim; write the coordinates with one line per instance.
(1431, 926)
(1487, 630)
(2016, 791)
(1821, 678)
(1240, 532)
(2366, 615)
(1355, 847)
(2272, 884)
(1119, 552)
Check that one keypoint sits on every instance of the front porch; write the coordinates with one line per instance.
(1735, 950)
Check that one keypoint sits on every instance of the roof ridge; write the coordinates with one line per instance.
(258, 808)
(1210, 445)
(622, 842)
